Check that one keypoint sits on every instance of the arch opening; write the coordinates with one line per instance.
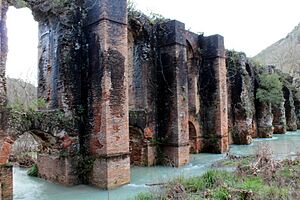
(136, 146)
(194, 147)
(20, 70)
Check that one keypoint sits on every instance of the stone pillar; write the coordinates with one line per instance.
(264, 120)
(279, 120)
(297, 107)
(241, 97)
(6, 171)
(291, 118)
(6, 182)
(3, 54)
(213, 90)
(108, 139)
(173, 94)
(3, 57)
(60, 68)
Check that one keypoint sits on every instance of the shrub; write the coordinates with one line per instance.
(33, 171)
(270, 89)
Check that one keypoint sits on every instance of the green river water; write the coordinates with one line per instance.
(28, 188)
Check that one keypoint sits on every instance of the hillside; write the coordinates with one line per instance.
(284, 54)
(19, 91)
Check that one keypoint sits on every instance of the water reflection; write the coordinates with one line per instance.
(28, 188)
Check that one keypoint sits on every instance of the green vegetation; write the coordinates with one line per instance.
(255, 178)
(233, 161)
(270, 89)
(22, 117)
(33, 171)
(24, 3)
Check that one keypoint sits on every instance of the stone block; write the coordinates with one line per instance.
(171, 33)
(62, 170)
(110, 172)
(176, 156)
(213, 46)
(114, 10)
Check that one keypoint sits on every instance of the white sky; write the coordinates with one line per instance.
(22, 33)
(247, 25)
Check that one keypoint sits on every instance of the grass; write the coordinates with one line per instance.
(255, 178)
(233, 161)
(33, 171)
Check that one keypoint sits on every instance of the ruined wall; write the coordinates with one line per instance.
(142, 84)
(59, 78)
(194, 61)
(137, 92)
(164, 94)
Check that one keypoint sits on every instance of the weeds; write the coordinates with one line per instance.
(255, 178)
(33, 171)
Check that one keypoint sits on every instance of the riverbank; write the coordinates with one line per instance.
(256, 177)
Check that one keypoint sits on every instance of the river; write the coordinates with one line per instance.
(29, 188)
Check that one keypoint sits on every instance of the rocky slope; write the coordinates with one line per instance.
(285, 54)
(21, 92)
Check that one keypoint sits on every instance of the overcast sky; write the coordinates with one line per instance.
(247, 25)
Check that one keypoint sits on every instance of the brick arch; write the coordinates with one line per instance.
(193, 76)
(45, 138)
(62, 58)
(6, 170)
(194, 135)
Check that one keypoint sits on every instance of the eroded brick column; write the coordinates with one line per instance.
(213, 90)
(3, 57)
(240, 97)
(6, 182)
(6, 171)
(4, 146)
(279, 120)
(108, 140)
(173, 93)
(264, 117)
(59, 84)
(291, 118)
(297, 107)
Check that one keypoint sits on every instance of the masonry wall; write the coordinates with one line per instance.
(3, 97)
(194, 61)
(142, 83)
(6, 182)
(56, 169)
